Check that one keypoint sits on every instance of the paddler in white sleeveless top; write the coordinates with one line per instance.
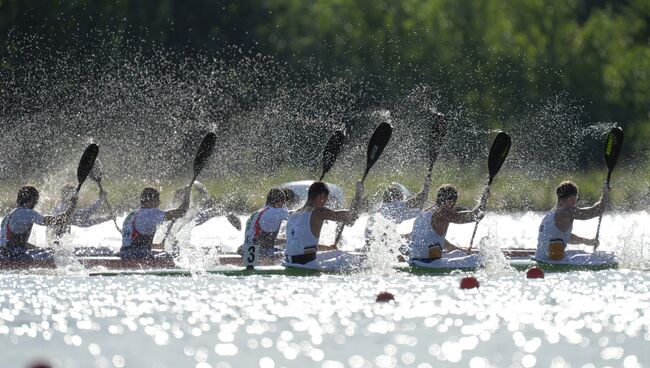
(263, 225)
(304, 228)
(429, 247)
(140, 226)
(81, 217)
(17, 226)
(555, 231)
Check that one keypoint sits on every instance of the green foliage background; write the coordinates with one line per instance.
(496, 58)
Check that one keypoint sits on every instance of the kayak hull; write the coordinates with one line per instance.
(231, 264)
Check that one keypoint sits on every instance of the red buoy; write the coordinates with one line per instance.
(535, 273)
(469, 283)
(385, 296)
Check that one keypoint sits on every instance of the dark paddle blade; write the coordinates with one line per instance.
(204, 152)
(86, 163)
(612, 149)
(331, 151)
(378, 142)
(438, 132)
(498, 154)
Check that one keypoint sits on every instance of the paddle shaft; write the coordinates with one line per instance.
(110, 208)
(600, 218)
(471, 242)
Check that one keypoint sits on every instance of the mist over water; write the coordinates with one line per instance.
(149, 110)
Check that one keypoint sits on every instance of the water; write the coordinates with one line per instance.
(581, 319)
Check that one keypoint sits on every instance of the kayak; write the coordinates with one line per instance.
(232, 265)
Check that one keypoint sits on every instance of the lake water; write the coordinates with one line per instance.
(579, 319)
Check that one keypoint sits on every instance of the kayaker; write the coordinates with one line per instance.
(81, 217)
(428, 244)
(140, 226)
(395, 209)
(304, 229)
(17, 226)
(555, 231)
(263, 225)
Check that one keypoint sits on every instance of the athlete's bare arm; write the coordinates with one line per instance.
(449, 247)
(476, 214)
(579, 240)
(182, 209)
(64, 217)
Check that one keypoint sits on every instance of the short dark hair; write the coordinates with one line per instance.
(392, 194)
(446, 193)
(566, 189)
(289, 194)
(275, 196)
(317, 188)
(149, 194)
(26, 195)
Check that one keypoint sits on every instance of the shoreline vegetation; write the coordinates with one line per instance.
(513, 191)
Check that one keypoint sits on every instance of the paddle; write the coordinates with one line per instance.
(613, 146)
(378, 142)
(498, 154)
(96, 175)
(200, 159)
(438, 132)
(331, 151)
(86, 164)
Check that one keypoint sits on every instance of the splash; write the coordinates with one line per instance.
(630, 245)
(383, 244)
(493, 260)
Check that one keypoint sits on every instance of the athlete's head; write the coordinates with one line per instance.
(447, 196)
(291, 197)
(276, 198)
(27, 196)
(393, 194)
(318, 194)
(150, 198)
(67, 192)
(567, 190)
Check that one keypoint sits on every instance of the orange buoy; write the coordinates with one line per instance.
(469, 283)
(535, 273)
(385, 296)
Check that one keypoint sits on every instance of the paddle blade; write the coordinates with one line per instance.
(613, 147)
(498, 154)
(86, 163)
(378, 142)
(438, 131)
(204, 152)
(331, 151)
(96, 173)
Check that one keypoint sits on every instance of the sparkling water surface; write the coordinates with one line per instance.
(577, 319)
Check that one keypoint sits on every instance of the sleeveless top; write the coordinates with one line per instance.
(548, 232)
(300, 239)
(263, 226)
(423, 237)
(139, 227)
(17, 227)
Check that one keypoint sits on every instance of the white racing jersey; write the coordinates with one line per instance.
(141, 223)
(267, 220)
(424, 237)
(17, 226)
(548, 232)
(300, 239)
